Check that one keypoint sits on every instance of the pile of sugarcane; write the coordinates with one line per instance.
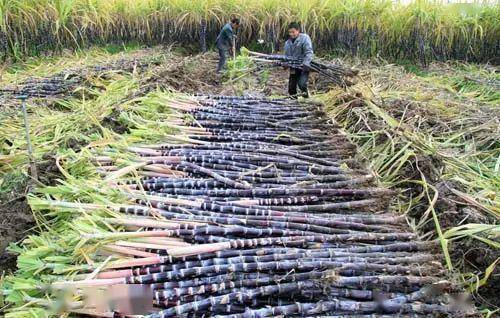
(334, 72)
(258, 211)
(47, 87)
(64, 82)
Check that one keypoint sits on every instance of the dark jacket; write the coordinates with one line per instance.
(301, 48)
(225, 38)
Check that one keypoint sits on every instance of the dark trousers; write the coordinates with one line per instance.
(300, 79)
(222, 59)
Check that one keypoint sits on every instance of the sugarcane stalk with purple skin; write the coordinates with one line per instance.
(210, 248)
(260, 210)
(390, 250)
(310, 228)
(349, 269)
(355, 307)
(289, 192)
(283, 257)
(256, 214)
(260, 214)
(401, 284)
(309, 288)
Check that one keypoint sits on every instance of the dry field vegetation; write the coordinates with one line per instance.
(426, 128)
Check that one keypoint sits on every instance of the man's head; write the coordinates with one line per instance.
(293, 30)
(235, 23)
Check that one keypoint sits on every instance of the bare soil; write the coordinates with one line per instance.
(16, 217)
(16, 221)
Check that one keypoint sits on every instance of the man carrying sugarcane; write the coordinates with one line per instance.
(298, 46)
(225, 41)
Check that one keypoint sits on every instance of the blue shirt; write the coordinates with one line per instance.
(225, 37)
(300, 48)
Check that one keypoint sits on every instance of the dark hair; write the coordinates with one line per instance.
(235, 21)
(294, 25)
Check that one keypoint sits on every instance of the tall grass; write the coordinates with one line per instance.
(421, 31)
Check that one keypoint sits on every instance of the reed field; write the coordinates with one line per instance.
(421, 31)
(378, 196)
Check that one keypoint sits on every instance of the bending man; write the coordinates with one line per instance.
(224, 41)
(298, 46)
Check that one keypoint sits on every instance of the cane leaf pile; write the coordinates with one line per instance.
(253, 207)
(434, 135)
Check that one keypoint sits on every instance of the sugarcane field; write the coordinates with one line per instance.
(247, 159)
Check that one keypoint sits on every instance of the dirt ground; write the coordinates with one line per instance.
(17, 219)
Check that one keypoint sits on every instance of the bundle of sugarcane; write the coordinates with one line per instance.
(258, 212)
(64, 82)
(334, 72)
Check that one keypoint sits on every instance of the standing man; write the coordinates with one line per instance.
(225, 40)
(298, 46)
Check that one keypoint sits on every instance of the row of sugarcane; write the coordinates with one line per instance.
(449, 35)
(64, 82)
(261, 211)
(336, 73)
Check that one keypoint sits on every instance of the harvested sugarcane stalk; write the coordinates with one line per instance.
(336, 73)
(259, 211)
